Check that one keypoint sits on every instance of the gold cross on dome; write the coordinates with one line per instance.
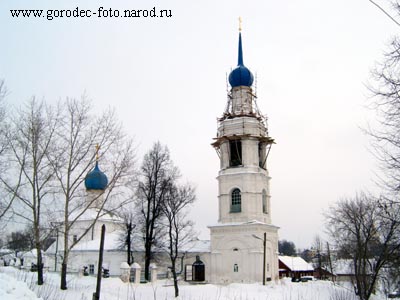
(240, 24)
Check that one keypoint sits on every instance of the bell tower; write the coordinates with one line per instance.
(243, 145)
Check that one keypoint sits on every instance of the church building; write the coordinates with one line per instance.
(244, 243)
(92, 216)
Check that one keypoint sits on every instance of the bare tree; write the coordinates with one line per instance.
(395, 5)
(367, 229)
(3, 112)
(385, 88)
(7, 199)
(78, 133)
(329, 261)
(179, 229)
(3, 90)
(157, 175)
(126, 238)
(322, 257)
(30, 137)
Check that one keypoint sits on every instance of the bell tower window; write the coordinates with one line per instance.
(236, 201)
(264, 202)
(235, 148)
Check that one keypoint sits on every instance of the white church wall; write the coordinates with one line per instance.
(237, 255)
(79, 259)
(251, 187)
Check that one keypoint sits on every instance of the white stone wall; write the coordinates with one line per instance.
(242, 100)
(78, 259)
(235, 245)
(251, 186)
(113, 260)
(242, 126)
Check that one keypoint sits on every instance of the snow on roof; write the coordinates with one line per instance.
(238, 223)
(112, 241)
(197, 245)
(32, 253)
(296, 263)
(343, 267)
(252, 222)
(346, 267)
(91, 213)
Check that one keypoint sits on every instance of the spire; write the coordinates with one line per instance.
(240, 76)
(240, 52)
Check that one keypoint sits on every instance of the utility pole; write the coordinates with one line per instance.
(330, 261)
(96, 295)
(264, 254)
(55, 256)
(264, 244)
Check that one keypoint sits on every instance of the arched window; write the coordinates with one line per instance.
(236, 201)
(264, 202)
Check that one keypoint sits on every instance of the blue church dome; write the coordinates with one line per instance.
(241, 75)
(96, 179)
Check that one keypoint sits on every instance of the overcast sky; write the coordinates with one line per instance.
(166, 77)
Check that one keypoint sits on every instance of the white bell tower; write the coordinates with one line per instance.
(243, 145)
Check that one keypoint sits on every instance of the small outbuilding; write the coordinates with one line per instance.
(344, 270)
(294, 267)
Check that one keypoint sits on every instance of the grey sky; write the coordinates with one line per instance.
(166, 77)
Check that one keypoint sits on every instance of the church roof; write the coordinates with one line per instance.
(343, 267)
(114, 242)
(248, 223)
(196, 245)
(91, 213)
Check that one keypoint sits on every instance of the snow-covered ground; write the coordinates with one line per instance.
(16, 284)
(12, 289)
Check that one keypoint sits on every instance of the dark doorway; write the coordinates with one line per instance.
(198, 269)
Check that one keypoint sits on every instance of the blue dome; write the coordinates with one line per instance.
(96, 179)
(241, 75)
